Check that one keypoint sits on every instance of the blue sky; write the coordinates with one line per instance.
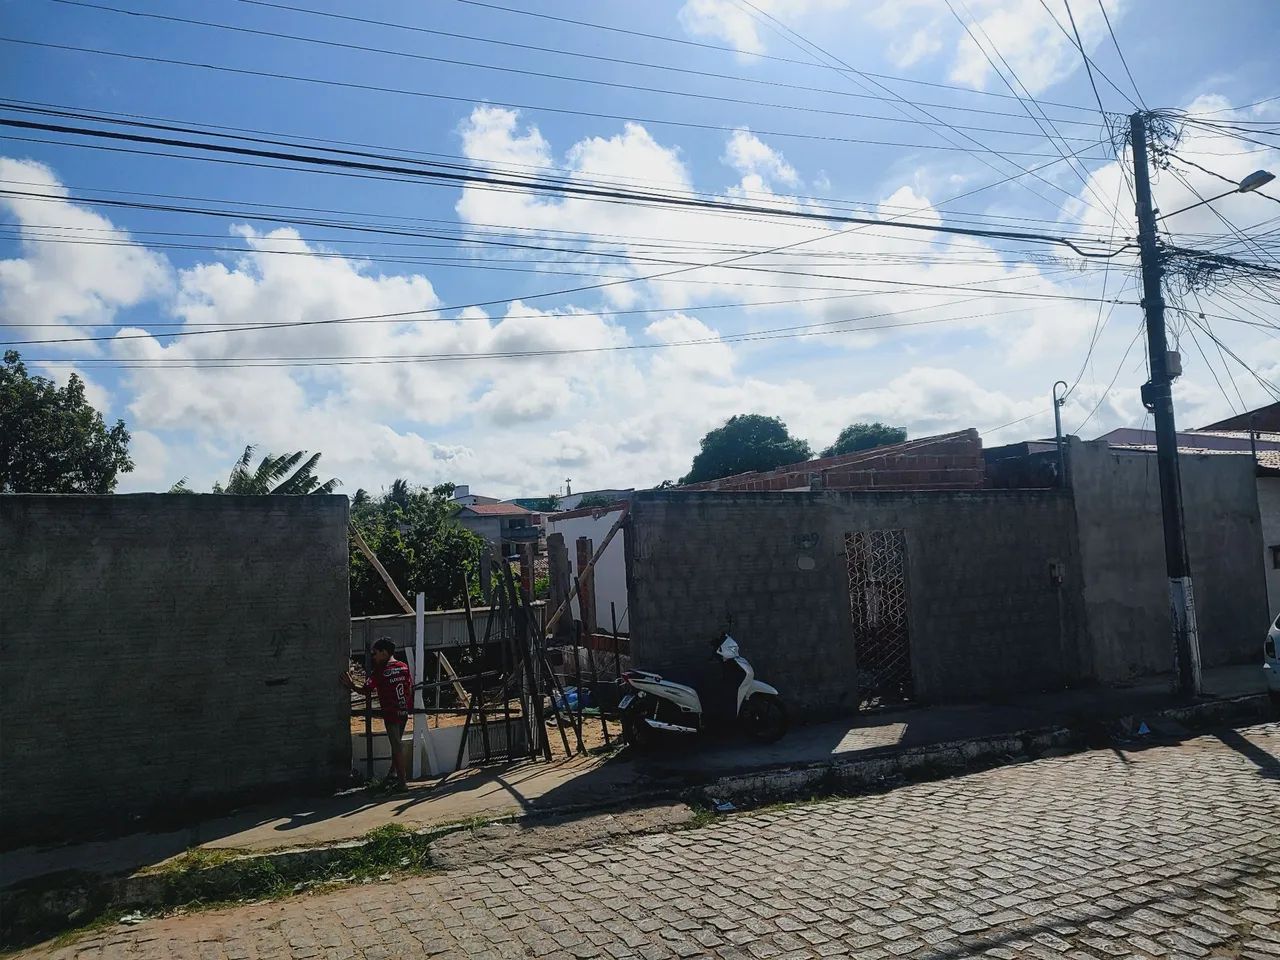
(613, 417)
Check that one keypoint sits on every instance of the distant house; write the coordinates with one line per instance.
(463, 496)
(502, 524)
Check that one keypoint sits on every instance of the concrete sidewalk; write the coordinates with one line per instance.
(597, 782)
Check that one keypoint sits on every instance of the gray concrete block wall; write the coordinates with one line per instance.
(1126, 592)
(985, 616)
(164, 655)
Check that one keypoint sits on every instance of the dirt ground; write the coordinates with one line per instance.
(592, 733)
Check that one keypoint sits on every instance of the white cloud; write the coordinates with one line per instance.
(58, 283)
(739, 26)
(709, 361)
(748, 154)
(511, 426)
(919, 45)
(1033, 47)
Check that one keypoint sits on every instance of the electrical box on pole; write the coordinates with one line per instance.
(1157, 397)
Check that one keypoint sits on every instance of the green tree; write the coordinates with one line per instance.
(595, 500)
(548, 504)
(864, 436)
(745, 443)
(415, 534)
(52, 440)
(286, 473)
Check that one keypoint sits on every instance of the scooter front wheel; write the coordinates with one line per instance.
(764, 718)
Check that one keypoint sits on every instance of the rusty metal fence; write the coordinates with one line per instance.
(878, 612)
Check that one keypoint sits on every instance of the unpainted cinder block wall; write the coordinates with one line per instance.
(1126, 589)
(163, 656)
(986, 614)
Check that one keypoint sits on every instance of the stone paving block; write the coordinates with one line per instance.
(1078, 857)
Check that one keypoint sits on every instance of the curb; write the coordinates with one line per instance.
(58, 901)
(887, 767)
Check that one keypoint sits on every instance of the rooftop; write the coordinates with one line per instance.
(496, 510)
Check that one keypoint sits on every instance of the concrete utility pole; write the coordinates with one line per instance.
(1157, 397)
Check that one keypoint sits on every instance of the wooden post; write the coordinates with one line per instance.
(586, 587)
(419, 667)
(526, 569)
(368, 713)
(561, 576)
(486, 578)
(477, 696)
(617, 657)
(577, 679)
(524, 635)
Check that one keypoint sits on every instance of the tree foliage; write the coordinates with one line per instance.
(595, 500)
(287, 473)
(414, 532)
(548, 504)
(52, 440)
(864, 436)
(745, 443)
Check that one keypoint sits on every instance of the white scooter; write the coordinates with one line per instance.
(652, 705)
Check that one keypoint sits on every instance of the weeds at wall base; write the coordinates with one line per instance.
(204, 879)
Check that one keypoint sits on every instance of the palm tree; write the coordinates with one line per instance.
(361, 498)
(399, 494)
(287, 473)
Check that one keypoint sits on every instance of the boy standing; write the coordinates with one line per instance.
(393, 683)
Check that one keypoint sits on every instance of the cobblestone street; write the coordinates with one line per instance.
(1168, 852)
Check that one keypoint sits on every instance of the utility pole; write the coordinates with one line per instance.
(1157, 397)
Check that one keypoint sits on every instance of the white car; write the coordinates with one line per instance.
(1271, 663)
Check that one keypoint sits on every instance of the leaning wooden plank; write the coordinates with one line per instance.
(585, 572)
(452, 674)
(382, 571)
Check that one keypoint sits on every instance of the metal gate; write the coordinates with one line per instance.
(878, 610)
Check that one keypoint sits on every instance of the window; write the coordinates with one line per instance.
(1275, 558)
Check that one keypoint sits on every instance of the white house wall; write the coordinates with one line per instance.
(610, 572)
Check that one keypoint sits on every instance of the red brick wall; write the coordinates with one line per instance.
(951, 461)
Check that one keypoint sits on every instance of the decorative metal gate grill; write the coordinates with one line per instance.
(878, 610)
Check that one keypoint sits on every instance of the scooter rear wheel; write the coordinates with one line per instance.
(764, 718)
(636, 733)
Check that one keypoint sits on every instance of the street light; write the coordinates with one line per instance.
(1254, 181)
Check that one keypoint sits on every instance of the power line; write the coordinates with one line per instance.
(576, 22)
(1106, 393)
(769, 269)
(1061, 150)
(537, 185)
(633, 311)
(778, 333)
(535, 73)
(802, 42)
(402, 91)
(473, 163)
(1087, 67)
(576, 289)
(470, 262)
(1125, 63)
(1244, 106)
(1266, 384)
(468, 164)
(1071, 40)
